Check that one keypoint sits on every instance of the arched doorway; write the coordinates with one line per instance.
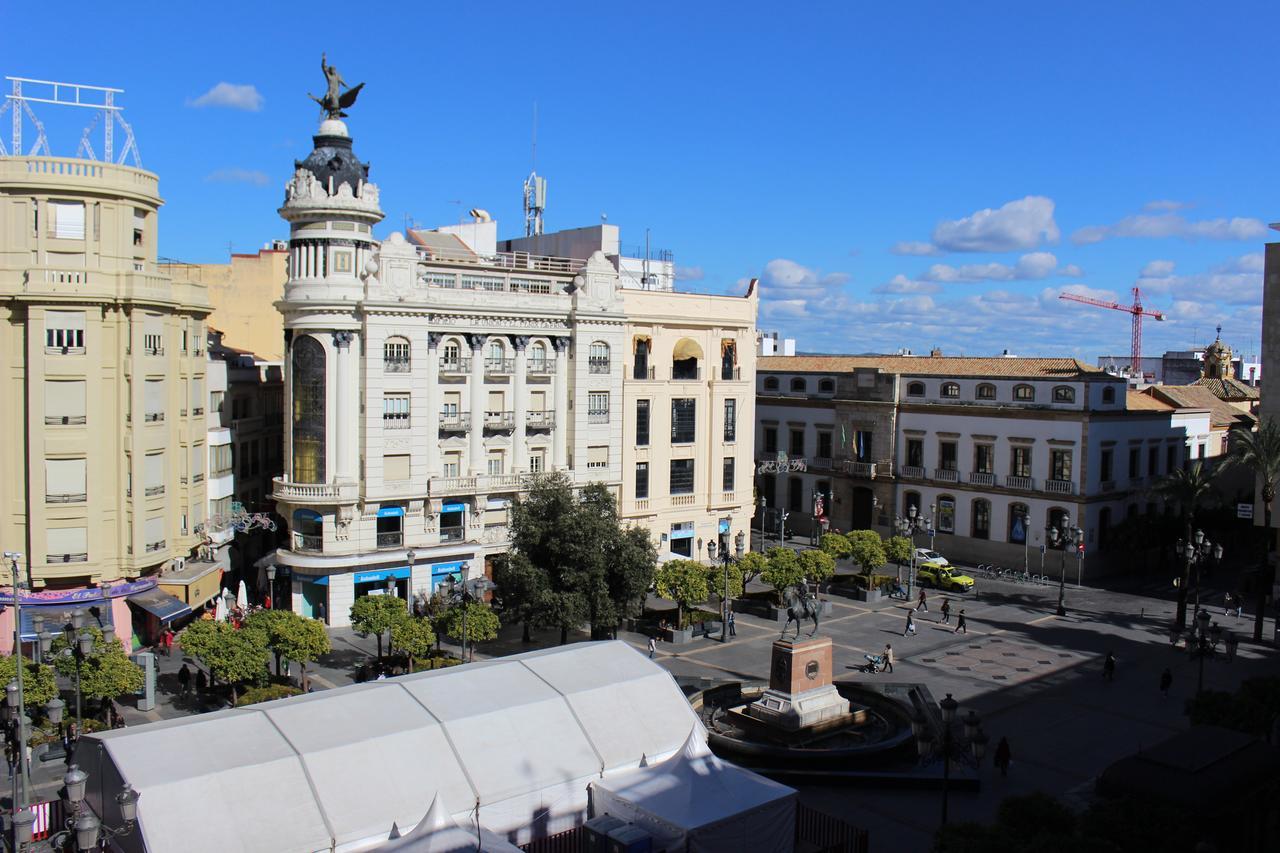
(863, 509)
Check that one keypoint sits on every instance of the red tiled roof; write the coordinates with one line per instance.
(1028, 368)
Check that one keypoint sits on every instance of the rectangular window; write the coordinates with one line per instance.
(983, 458)
(1020, 463)
(64, 332)
(139, 225)
(219, 460)
(395, 467)
(642, 423)
(216, 400)
(67, 544)
(64, 481)
(730, 420)
(915, 452)
(64, 402)
(452, 464)
(862, 445)
(598, 407)
(154, 400)
(153, 533)
(197, 463)
(1135, 463)
(947, 455)
(452, 401)
(537, 461)
(946, 515)
(1060, 465)
(153, 473)
(66, 220)
(598, 358)
(496, 464)
(642, 480)
(598, 456)
(395, 356)
(242, 453)
(1171, 455)
(681, 477)
(1153, 461)
(796, 448)
(395, 411)
(770, 440)
(1105, 464)
(824, 445)
(683, 420)
(727, 478)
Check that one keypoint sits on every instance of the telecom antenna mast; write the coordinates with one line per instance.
(535, 189)
(100, 99)
(1138, 313)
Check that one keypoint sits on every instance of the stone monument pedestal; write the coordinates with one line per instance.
(800, 693)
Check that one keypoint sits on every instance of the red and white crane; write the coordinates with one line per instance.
(1135, 309)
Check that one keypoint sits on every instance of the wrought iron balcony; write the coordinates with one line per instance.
(455, 421)
(499, 365)
(455, 366)
(540, 420)
(499, 420)
(308, 542)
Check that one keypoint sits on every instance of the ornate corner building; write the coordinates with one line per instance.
(431, 375)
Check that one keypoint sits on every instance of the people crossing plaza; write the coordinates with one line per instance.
(911, 624)
(946, 611)
(962, 624)
(921, 603)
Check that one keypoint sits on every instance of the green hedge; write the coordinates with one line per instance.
(254, 695)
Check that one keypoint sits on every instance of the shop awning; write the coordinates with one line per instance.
(160, 604)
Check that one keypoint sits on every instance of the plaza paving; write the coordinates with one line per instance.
(1034, 677)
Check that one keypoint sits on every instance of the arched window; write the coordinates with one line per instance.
(641, 369)
(684, 359)
(826, 386)
(1024, 393)
(451, 353)
(951, 389)
(915, 389)
(980, 525)
(598, 357)
(308, 530)
(1019, 521)
(1109, 394)
(1064, 394)
(771, 383)
(537, 357)
(986, 391)
(395, 355)
(308, 362)
(798, 385)
(946, 514)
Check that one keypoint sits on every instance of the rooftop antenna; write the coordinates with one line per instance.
(101, 99)
(535, 188)
(645, 279)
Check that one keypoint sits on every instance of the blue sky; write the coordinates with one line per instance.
(824, 148)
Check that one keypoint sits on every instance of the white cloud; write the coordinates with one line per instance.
(234, 96)
(914, 247)
(1167, 225)
(1048, 295)
(1158, 269)
(1029, 267)
(1071, 271)
(238, 176)
(1021, 224)
(900, 284)
(690, 273)
(1165, 205)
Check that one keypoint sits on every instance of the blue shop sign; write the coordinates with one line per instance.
(381, 575)
(388, 511)
(682, 534)
(453, 508)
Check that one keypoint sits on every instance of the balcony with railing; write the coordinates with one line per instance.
(399, 420)
(390, 539)
(598, 366)
(499, 366)
(66, 498)
(540, 367)
(64, 420)
(686, 374)
(982, 478)
(455, 421)
(154, 417)
(946, 475)
(1107, 485)
(452, 534)
(730, 374)
(499, 420)
(454, 366)
(156, 546)
(68, 558)
(911, 472)
(823, 462)
(864, 470)
(1060, 487)
(308, 542)
(313, 493)
(440, 486)
(1024, 483)
(395, 365)
(643, 373)
(683, 500)
(597, 416)
(540, 420)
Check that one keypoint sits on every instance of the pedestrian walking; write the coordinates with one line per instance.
(921, 604)
(962, 624)
(888, 658)
(202, 681)
(319, 611)
(1004, 756)
(1230, 644)
(1109, 667)
(946, 611)
(11, 756)
(911, 623)
(733, 625)
(166, 642)
(184, 679)
(1166, 681)
(653, 646)
(1228, 604)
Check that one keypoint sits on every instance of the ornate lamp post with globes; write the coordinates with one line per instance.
(911, 525)
(968, 747)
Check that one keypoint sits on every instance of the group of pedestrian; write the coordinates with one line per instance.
(922, 604)
(185, 679)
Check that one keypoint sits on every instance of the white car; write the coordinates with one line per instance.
(925, 557)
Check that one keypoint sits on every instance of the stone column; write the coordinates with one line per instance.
(476, 435)
(434, 406)
(345, 410)
(560, 443)
(520, 406)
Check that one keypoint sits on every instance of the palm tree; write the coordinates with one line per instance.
(1260, 452)
(1188, 488)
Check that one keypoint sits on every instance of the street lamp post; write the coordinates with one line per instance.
(1061, 538)
(471, 589)
(933, 524)
(271, 585)
(967, 748)
(909, 527)
(82, 825)
(763, 506)
(13, 557)
(1204, 643)
(1026, 544)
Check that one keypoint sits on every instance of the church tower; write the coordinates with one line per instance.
(1217, 360)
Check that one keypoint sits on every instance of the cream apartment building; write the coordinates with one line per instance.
(103, 371)
(431, 375)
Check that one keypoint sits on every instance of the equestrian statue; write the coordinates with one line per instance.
(801, 605)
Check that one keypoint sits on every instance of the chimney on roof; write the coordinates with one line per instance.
(935, 353)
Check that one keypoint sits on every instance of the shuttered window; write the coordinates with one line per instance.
(598, 456)
(153, 533)
(153, 401)
(64, 330)
(395, 467)
(64, 480)
(153, 473)
(64, 402)
(197, 463)
(67, 544)
(66, 220)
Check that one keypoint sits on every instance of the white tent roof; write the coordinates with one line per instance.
(438, 832)
(694, 798)
(521, 736)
